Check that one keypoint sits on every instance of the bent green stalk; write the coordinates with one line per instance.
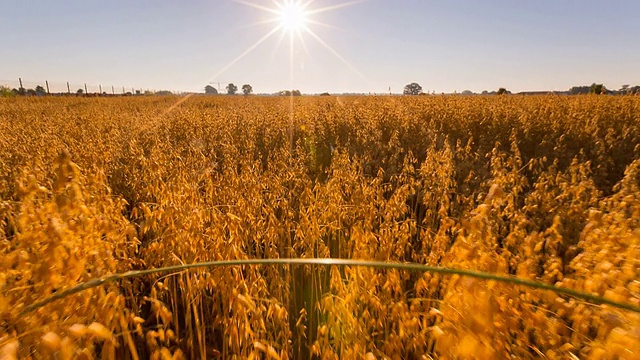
(594, 299)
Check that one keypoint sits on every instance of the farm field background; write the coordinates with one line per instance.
(545, 188)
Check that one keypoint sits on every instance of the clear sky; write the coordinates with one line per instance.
(445, 46)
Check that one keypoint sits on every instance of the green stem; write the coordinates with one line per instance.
(328, 262)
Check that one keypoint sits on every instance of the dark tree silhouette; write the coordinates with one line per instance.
(232, 89)
(290, 93)
(597, 89)
(503, 91)
(413, 89)
(40, 90)
(247, 89)
(575, 90)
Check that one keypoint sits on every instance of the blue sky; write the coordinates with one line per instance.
(445, 46)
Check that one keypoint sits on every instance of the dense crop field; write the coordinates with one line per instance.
(542, 188)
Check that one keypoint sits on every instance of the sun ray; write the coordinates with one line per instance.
(291, 49)
(246, 52)
(304, 44)
(323, 24)
(291, 117)
(257, 6)
(180, 101)
(258, 23)
(334, 7)
(334, 52)
(278, 43)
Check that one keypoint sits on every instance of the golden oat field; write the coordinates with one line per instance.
(542, 188)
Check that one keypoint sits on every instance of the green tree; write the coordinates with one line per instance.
(412, 89)
(6, 91)
(232, 89)
(247, 89)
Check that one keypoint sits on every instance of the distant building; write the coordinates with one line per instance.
(210, 90)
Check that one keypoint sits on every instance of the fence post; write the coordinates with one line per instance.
(68, 88)
(47, 83)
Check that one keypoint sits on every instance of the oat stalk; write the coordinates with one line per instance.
(594, 299)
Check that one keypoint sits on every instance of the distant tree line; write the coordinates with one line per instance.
(601, 89)
(290, 93)
(597, 89)
(231, 88)
(247, 89)
(6, 91)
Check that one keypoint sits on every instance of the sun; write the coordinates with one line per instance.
(295, 18)
(292, 16)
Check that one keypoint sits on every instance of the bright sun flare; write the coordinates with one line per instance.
(292, 16)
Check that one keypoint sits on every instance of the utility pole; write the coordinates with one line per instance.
(21, 87)
(218, 82)
(100, 85)
(113, 90)
(85, 88)
(68, 88)
(47, 83)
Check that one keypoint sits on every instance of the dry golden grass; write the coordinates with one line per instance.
(544, 188)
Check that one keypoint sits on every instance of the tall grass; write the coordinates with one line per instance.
(545, 189)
